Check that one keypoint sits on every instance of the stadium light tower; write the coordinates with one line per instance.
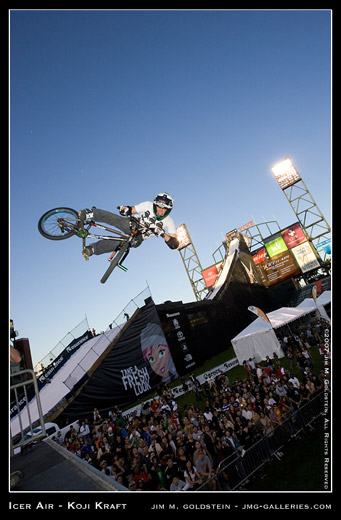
(191, 262)
(304, 206)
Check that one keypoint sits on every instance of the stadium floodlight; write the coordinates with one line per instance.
(285, 173)
(183, 236)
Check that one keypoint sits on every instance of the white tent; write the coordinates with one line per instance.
(259, 340)
(311, 306)
(324, 298)
(321, 301)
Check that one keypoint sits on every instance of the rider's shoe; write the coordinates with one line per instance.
(87, 251)
(85, 214)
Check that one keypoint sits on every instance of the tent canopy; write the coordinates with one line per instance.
(258, 344)
(324, 298)
(259, 340)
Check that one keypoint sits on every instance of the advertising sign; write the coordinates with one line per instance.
(260, 256)
(276, 246)
(136, 365)
(210, 274)
(325, 245)
(293, 236)
(278, 268)
(305, 257)
(180, 341)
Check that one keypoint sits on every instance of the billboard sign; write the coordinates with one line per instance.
(210, 274)
(305, 257)
(260, 256)
(293, 236)
(276, 246)
(278, 268)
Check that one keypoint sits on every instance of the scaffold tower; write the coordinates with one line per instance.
(191, 262)
(304, 206)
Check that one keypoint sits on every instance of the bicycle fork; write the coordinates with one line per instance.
(111, 257)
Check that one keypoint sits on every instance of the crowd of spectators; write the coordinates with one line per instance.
(161, 449)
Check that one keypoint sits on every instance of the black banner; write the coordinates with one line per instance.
(179, 337)
(135, 366)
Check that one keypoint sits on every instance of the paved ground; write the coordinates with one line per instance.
(46, 469)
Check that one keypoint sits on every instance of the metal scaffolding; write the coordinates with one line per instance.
(309, 215)
(191, 262)
(303, 205)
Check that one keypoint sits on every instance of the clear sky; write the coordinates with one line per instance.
(112, 107)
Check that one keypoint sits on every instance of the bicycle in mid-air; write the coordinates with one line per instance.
(62, 223)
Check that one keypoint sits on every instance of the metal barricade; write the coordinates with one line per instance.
(27, 378)
(232, 472)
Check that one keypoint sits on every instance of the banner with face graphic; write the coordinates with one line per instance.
(135, 366)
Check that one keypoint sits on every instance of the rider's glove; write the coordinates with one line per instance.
(125, 210)
(158, 230)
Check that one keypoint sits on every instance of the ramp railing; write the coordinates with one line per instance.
(19, 394)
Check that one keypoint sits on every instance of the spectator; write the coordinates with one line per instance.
(139, 474)
(177, 484)
(266, 423)
(290, 356)
(204, 466)
(308, 358)
(280, 389)
(97, 418)
(294, 381)
(181, 459)
(170, 472)
(59, 438)
(193, 480)
(86, 449)
(84, 430)
(310, 386)
(294, 397)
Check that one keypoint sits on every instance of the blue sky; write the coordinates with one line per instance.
(112, 107)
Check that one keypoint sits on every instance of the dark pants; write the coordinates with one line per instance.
(116, 221)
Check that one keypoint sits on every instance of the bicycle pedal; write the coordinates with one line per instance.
(112, 256)
(122, 267)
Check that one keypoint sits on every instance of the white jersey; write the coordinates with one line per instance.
(147, 218)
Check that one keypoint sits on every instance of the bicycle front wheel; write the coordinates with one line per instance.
(58, 223)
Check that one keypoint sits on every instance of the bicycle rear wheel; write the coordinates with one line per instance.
(115, 261)
(58, 223)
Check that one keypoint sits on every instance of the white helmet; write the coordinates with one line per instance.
(163, 200)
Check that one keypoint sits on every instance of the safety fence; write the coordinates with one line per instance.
(77, 331)
(236, 469)
(105, 339)
(26, 382)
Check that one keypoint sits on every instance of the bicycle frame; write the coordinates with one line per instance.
(84, 233)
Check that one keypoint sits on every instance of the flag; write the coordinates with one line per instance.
(259, 313)
(314, 293)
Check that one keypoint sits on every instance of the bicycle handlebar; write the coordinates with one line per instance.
(136, 221)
